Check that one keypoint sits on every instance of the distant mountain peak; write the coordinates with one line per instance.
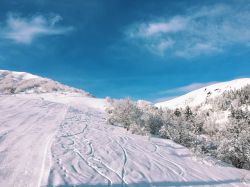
(12, 82)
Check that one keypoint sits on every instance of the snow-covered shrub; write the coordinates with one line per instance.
(152, 119)
(136, 129)
(195, 128)
(235, 98)
(124, 112)
(179, 126)
(234, 144)
(139, 117)
(205, 145)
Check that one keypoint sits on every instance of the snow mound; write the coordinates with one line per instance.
(12, 82)
(201, 95)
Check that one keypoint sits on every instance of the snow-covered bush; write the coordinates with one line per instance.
(180, 126)
(235, 98)
(124, 112)
(234, 144)
(152, 119)
(195, 128)
(140, 118)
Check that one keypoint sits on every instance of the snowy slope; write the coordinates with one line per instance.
(200, 96)
(27, 128)
(12, 82)
(62, 139)
(49, 143)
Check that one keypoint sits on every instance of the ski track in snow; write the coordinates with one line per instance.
(44, 143)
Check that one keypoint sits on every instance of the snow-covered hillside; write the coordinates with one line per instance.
(20, 82)
(45, 143)
(201, 95)
(63, 140)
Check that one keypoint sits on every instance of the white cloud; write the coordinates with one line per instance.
(160, 47)
(197, 50)
(25, 30)
(163, 45)
(200, 31)
(187, 88)
(174, 25)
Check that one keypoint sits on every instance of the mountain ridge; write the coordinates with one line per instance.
(13, 82)
(199, 96)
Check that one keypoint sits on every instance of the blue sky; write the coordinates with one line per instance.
(142, 49)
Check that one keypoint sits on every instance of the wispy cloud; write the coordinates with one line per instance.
(200, 31)
(160, 47)
(150, 29)
(25, 29)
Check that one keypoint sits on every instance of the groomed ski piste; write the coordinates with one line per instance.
(63, 140)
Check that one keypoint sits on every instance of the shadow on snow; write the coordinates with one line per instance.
(163, 184)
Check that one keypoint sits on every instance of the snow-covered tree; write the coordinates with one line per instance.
(124, 112)
(234, 144)
(195, 128)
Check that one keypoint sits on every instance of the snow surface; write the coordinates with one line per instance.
(63, 140)
(54, 135)
(200, 96)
